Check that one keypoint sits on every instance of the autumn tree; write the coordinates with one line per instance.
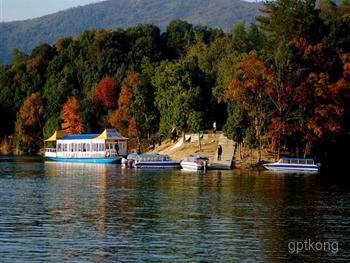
(251, 79)
(71, 117)
(121, 119)
(29, 124)
(105, 92)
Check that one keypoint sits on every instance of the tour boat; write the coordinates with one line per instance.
(149, 161)
(194, 163)
(107, 147)
(296, 164)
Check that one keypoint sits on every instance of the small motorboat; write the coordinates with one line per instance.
(296, 164)
(149, 161)
(195, 163)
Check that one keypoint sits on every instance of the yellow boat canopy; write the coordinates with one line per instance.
(110, 134)
(57, 135)
(106, 134)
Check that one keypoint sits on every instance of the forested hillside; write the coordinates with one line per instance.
(282, 83)
(25, 35)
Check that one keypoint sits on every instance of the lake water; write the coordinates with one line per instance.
(51, 212)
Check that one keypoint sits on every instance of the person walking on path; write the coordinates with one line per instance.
(214, 127)
(219, 152)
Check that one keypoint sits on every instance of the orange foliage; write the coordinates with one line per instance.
(105, 92)
(251, 80)
(71, 117)
(306, 48)
(32, 109)
(121, 118)
(249, 86)
(28, 124)
(326, 103)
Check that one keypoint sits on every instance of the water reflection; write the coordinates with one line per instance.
(103, 213)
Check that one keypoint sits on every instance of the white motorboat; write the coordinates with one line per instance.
(194, 163)
(296, 164)
(149, 161)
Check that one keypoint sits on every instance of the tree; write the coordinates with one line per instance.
(251, 80)
(142, 106)
(29, 124)
(180, 89)
(178, 37)
(344, 2)
(237, 123)
(105, 92)
(240, 39)
(70, 116)
(195, 123)
(121, 118)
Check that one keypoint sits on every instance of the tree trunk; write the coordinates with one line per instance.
(307, 149)
(199, 141)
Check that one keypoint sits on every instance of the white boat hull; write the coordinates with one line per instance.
(292, 167)
(187, 165)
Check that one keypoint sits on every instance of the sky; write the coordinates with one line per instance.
(11, 10)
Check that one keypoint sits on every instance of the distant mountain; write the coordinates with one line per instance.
(24, 35)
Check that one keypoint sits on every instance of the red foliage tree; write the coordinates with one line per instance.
(105, 92)
(29, 121)
(71, 117)
(252, 78)
(121, 118)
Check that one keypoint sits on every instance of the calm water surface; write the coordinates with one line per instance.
(51, 212)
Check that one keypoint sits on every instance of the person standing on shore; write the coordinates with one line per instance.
(219, 152)
(214, 127)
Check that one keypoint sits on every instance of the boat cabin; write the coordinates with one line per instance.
(148, 157)
(296, 161)
(108, 144)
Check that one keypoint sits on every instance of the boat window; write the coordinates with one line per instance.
(121, 145)
(285, 161)
(88, 147)
(302, 161)
(101, 147)
(294, 161)
(310, 161)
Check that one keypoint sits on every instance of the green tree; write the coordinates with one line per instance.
(179, 91)
(240, 38)
(195, 123)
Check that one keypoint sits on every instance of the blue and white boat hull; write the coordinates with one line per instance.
(157, 164)
(292, 167)
(85, 160)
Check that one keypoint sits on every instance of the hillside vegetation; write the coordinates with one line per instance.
(25, 35)
(281, 84)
